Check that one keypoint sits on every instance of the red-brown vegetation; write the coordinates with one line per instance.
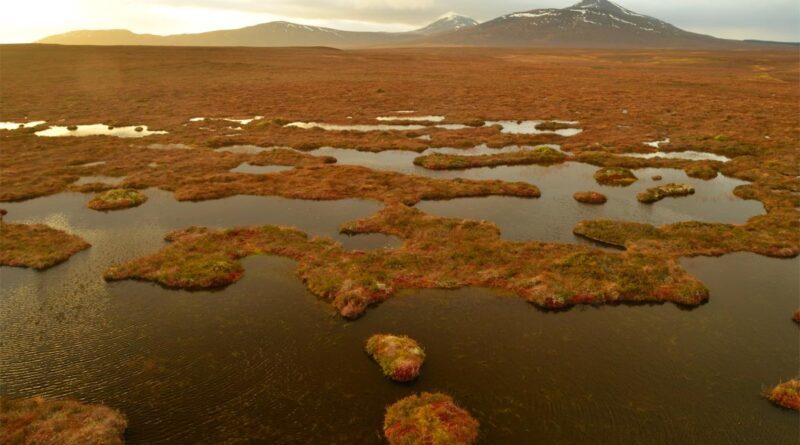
(39, 421)
(429, 419)
(36, 245)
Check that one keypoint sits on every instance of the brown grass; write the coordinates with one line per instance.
(39, 421)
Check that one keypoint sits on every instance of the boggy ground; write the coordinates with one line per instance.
(739, 104)
(36, 245)
(743, 105)
(437, 253)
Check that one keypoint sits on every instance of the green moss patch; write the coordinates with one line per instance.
(615, 176)
(400, 357)
(117, 199)
(429, 419)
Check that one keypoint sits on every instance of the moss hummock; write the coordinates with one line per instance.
(41, 421)
(36, 245)
(117, 199)
(656, 194)
(615, 176)
(540, 155)
(786, 395)
(590, 198)
(429, 419)
(400, 357)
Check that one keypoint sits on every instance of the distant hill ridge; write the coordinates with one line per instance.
(587, 24)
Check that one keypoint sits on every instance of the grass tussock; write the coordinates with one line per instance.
(540, 155)
(116, 199)
(437, 253)
(786, 395)
(40, 421)
(554, 126)
(615, 176)
(400, 357)
(429, 419)
(656, 194)
(590, 198)
(36, 245)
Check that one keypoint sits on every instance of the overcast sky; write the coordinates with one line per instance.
(29, 20)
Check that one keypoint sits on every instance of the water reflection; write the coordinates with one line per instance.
(17, 125)
(133, 131)
(111, 180)
(689, 155)
(248, 168)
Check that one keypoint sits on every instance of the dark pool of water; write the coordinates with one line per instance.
(140, 230)
(552, 217)
(266, 362)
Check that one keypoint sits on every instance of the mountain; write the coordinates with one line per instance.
(266, 34)
(590, 23)
(448, 22)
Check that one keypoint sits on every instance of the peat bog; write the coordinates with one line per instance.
(418, 190)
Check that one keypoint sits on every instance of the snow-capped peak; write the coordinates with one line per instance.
(604, 5)
(448, 22)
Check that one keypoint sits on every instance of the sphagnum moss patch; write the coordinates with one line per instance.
(786, 395)
(399, 356)
(429, 419)
(117, 199)
(63, 422)
(36, 245)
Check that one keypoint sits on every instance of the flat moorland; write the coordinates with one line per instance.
(743, 105)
